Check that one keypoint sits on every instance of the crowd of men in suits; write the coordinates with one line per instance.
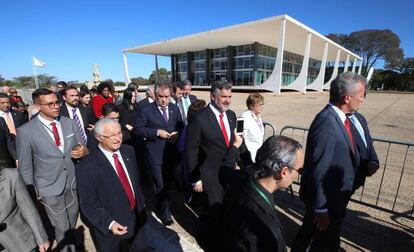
(67, 176)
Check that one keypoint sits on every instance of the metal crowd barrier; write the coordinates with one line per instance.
(391, 188)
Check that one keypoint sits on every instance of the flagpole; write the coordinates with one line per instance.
(35, 75)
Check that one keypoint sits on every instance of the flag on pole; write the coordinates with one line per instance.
(38, 63)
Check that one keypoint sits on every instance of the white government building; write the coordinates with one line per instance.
(271, 54)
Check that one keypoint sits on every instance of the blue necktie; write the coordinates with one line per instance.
(358, 126)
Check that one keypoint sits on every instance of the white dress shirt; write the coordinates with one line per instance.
(225, 120)
(46, 123)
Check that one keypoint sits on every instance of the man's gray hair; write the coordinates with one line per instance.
(159, 86)
(186, 82)
(343, 84)
(148, 90)
(275, 153)
(219, 85)
(100, 124)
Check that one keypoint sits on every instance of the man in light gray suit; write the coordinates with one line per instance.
(46, 146)
(20, 226)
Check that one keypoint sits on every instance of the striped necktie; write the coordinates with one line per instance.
(81, 129)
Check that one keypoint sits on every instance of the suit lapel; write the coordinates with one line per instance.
(65, 131)
(232, 124)
(342, 129)
(213, 121)
(157, 112)
(44, 133)
(129, 167)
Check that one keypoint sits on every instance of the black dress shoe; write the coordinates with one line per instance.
(167, 221)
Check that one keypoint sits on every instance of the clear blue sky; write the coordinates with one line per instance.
(70, 36)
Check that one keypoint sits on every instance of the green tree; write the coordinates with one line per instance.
(24, 81)
(163, 73)
(46, 80)
(140, 81)
(2, 80)
(372, 45)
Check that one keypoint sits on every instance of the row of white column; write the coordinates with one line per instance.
(274, 82)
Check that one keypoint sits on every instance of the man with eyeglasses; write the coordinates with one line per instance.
(46, 146)
(249, 221)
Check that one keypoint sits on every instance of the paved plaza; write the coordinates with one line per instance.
(389, 116)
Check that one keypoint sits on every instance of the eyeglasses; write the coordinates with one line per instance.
(299, 171)
(50, 104)
(113, 136)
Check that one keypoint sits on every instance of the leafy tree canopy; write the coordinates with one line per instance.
(372, 45)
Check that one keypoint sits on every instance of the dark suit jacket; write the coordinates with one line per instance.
(368, 155)
(7, 147)
(18, 118)
(193, 98)
(84, 114)
(142, 103)
(206, 147)
(102, 198)
(148, 121)
(249, 223)
(330, 165)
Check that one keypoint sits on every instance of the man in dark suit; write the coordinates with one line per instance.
(331, 166)
(249, 220)
(7, 147)
(160, 123)
(150, 97)
(187, 98)
(13, 118)
(369, 162)
(109, 194)
(71, 109)
(210, 134)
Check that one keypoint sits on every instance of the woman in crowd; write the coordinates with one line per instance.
(127, 110)
(85, 101)
(253, 124)
(104, 96)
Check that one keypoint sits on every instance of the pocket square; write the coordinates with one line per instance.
(70, 135)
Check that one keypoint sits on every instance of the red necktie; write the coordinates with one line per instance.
(223, 130)
(55, 134)
(348, 130)
(124, 181)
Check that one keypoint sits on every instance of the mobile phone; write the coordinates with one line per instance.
(240, 126)
(76, 147)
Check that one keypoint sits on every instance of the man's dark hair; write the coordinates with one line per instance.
(133, 85)
(40, 91)
(68, 88)
(107, 108)
(220, 85)
(63, 83)
(3, 95)
(276, 152)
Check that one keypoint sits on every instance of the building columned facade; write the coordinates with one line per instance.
(269, 54)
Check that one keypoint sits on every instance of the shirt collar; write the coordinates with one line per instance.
(107, 153)
(47, 122)
(265, 192)
(340, 113)
(70, 108)
(215, 110)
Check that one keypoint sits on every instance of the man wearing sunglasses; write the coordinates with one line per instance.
(46, 146)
